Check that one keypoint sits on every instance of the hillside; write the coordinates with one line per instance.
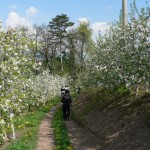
(118, 121)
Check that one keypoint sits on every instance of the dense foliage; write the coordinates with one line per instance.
(122, 55)
(20, 86)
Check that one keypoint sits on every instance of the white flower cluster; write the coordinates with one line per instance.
(45, 86)
(122, 55)
(19, 88)
(12, 76)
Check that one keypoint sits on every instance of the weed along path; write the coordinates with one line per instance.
(80, 138)
(46, 137)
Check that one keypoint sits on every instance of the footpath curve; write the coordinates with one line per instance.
(46, 135)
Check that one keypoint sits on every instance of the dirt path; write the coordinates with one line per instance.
(46, 137)
(80, 138)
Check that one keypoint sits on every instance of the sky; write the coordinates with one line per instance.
(29, 12)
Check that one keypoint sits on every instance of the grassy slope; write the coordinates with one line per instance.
(89, 99)
(117, 118)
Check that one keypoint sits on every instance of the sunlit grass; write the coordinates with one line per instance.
(28, 127)
(60, 131)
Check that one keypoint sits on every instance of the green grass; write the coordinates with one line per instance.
(60, 131)
(96, 97)
(28, 126)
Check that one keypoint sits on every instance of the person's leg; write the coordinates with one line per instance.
(64, 112)
(68, 112)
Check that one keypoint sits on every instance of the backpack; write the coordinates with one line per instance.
(66, 99)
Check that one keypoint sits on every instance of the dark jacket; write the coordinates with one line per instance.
(66, 99)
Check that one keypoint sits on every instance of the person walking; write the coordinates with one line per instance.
(66, 88)
(62, 91)
(67, 102)
(62, 88)
(78, 90)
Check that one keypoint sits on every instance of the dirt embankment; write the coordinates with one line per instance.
(121, 125)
